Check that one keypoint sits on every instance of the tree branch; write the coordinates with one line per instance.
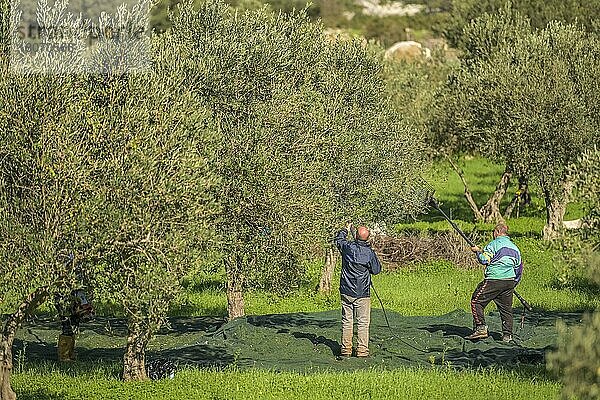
(468, 194)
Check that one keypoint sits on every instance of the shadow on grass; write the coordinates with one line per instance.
(217, 285)
(184, 325)
(333, 345)
(194, 309)
(39, 394)
(37, 351)
(201, 355)
(293, 320)
(579, 284)
(449, 330)
(509, 357)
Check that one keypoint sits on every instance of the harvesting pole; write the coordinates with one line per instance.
(432, 201)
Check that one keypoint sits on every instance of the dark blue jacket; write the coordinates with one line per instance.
(358, 263)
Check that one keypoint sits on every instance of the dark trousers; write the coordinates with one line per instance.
(501, 292)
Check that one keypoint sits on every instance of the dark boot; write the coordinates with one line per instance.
(481, 332)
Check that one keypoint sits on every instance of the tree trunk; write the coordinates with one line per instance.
(327, 273)
(235, 286)
(491, 210)
(522, 197)
(468, 195)
(6, 365)
(556, 206)
(8, 335)
(134, 360)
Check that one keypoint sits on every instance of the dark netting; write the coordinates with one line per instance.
(310, 342)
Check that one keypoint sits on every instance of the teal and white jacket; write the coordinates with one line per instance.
(502, 258)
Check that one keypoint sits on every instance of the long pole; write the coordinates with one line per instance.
(470, 242)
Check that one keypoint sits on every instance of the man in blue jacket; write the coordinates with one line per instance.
(358, 263)
(503, 271)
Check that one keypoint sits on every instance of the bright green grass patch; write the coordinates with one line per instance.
(433, 288)
(259, 384)
(482, 177)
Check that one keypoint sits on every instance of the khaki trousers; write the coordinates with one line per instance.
(361, 310)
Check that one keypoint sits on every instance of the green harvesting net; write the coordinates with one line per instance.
(309, 342)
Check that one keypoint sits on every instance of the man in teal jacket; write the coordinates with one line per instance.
(503, 271)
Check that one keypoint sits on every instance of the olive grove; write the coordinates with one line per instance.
(532, 104)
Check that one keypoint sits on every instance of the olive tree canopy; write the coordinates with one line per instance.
(533, 104)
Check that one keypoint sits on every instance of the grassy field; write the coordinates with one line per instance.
(432, 288)
(41, 384)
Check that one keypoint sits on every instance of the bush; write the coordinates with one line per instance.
(577, 359)
(539, 13)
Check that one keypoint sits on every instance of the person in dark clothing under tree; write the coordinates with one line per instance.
(359, 262)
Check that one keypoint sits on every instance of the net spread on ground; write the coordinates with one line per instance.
(310, 342)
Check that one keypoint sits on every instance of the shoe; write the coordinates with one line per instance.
(481, 332)
(507, 339)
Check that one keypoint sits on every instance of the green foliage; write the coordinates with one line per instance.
(412, 88)
(45, 182)
(532, 103)
(538, 12)
(152, 200)
(307, 135)
(587, 185)
(4, 37)
(491, 32)
(392, 29)
(112, 167)
(579, 263)
(577, 359)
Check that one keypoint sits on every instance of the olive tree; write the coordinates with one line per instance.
(533, 105)
(538, 12)
(111, 166)
(254, 71)
(45, 182)
(153, 201)
(301, 122)
(449, 133)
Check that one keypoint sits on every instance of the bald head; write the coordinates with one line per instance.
(501, 229)
(362, 233)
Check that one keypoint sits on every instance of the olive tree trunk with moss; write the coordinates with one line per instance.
(325, 283)
(134, 360)
(9, 331)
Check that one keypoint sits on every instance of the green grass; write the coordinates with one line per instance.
(433, 288)
(482, 177)
(411, 384)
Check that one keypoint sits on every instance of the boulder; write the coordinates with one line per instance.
(408, 51)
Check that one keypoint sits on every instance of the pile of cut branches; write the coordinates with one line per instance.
(399, 251)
